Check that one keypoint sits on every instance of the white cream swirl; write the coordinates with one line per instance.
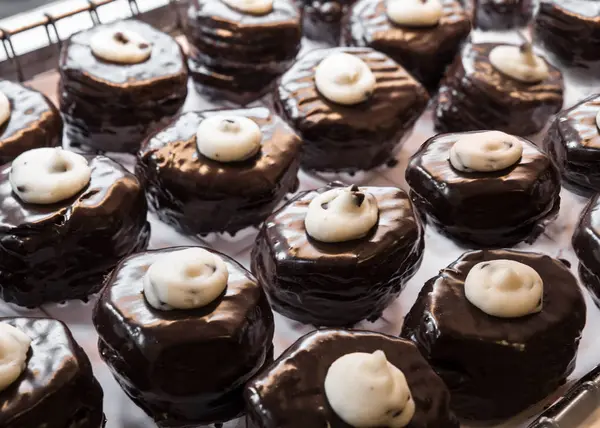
(341, 214)
(598, 120)
(251, 7)
(415, 13)
(48, 175)
(365, 391)
(14, 346)
(5, 110)
(505, 288)
(519, 62)
(120, 46)
(185, 279)
(344, 79)
(485, 151)
(228, 138)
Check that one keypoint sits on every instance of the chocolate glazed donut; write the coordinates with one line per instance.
(491, 209)
(291, 394)
(474, 95)
(184, 367)
(57, 388)
(586, 243)
(502, 14)
(34, 122)
(52, 253)
(497, 367)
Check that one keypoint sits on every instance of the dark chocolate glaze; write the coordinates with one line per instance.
(184, 368)
(573, 141)
(113, 107)
(497, 367)
(198, 195)
(52, 253)
(424, 52)
(571, 30)
(474, 95)
(241, 54)
(343, 283)
(502, 14)
(34, 122)
(323, 19)
(492, 209)
(586, 243)
(356, 137)
(291, 393)
(57, 389)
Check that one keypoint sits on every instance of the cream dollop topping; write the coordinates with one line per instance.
(341, 214)
(598, 120)
(366, 391)
(485, 151)
(251, 7)
(185, 279)
(14, 346)
(344, 79)
(519, 62)
(228, 138)
(48, 175)
(120, 46)
(415, 13)
(5, 109)
(505, 288)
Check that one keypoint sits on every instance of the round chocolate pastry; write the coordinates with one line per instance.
(351, 107)
(46, 379)
(502, 14)
(570, 29)
(65, 222)
(219, 171)
(239, 47)
(501, 328)
(573, 140)
(586, 243)
(424, 36)
(183, 329)
(496, 86)
(28, 120)
(486, 188)
(340, 379)
(338, 255)
(118, 82)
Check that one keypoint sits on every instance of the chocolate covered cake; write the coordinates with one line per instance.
(219, 171)
(484, 188)
(118, 82)
(337, 255)
(65, 222)
(183, 329)
(501, 328)
(586, 244)
(502, 14)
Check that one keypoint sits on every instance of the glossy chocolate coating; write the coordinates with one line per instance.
(323, 19)
(34, 122)
(356, 137)
(291, 393)
(497, 367)
(571, 30)
(184, 368)
(492, 209)
(240, 54)
(113, 107)
(502, 14)
(198, 195)
(57, 389)
(474, 95)
(573, 141)
(338, 284)
(61, 251)
(424, 52)
(586, 243)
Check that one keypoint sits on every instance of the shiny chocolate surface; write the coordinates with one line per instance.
(291, 394)
(424, 52)
(586, 244)
(184, 367)
(338, 284)
(502, 14)
(491, 209)
(57, 252)
(573, 141)
(57, 389)
(497, 367)
(198, 195)
(34, 122)
(356, 137)
(113, 107)
(474, 95)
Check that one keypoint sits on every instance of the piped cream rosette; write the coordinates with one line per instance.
(485, 151)
(519, 62)
(14, 346)
(344, 79)
(228, 138)
(415, 13)
(251, 7)
(120, 46)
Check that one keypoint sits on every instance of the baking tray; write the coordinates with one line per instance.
(36, 67)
